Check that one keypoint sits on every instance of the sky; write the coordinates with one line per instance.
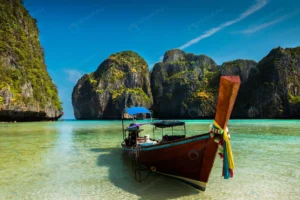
(78, 35)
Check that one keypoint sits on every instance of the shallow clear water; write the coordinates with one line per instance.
(83, 160)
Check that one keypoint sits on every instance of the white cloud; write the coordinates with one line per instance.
(264, 25)
(257, 6)
(73, 75)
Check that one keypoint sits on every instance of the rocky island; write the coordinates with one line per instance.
(185, 85)
(273, 89)
(121, 81)
(27, 92)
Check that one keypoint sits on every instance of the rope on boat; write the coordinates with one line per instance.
(224, 148)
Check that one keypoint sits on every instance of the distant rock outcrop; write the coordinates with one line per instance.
(184, 85)
(27, 92)
(245, 69)
(242, 68)
(274, 90)
(121, 81)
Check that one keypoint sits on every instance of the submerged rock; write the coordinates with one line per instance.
(27, 92)
(121, 81)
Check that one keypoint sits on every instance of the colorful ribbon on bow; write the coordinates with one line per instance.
(224, 149)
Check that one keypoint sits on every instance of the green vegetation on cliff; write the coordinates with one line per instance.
(242, 68)
(142, 98)
(23, 72)
(184, 82)
(295, 99)
(122, 80)
(186, 86)
(121, 63)
(275, 89)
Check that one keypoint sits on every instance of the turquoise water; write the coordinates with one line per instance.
(83, 160)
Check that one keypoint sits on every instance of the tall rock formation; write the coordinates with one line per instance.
(245, 69)
(27, 92)
(121, 81)
(270, 89)
(184, 85)
(274, 91)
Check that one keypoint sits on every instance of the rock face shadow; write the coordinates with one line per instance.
(154, 187)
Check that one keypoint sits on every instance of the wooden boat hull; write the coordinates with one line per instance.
(189, 160)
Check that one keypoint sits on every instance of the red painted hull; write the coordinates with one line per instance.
(190, 159)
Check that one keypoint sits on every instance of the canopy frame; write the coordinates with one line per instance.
(168, 124)
(134, 111)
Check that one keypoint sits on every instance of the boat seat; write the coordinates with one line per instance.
(150, 143)
(168, 138)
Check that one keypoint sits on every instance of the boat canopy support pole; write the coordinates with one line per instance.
(153, 133)
(172, 130)
(184, 130)
(123, 125)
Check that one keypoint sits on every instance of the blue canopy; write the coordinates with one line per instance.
(137, 110)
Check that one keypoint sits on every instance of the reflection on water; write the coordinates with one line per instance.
(83, 160)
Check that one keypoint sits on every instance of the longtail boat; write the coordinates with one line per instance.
(189, 159)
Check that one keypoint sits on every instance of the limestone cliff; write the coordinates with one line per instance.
(185, 85)
(245, 69)
(27, 92)
(274, 91)
(121, 81)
